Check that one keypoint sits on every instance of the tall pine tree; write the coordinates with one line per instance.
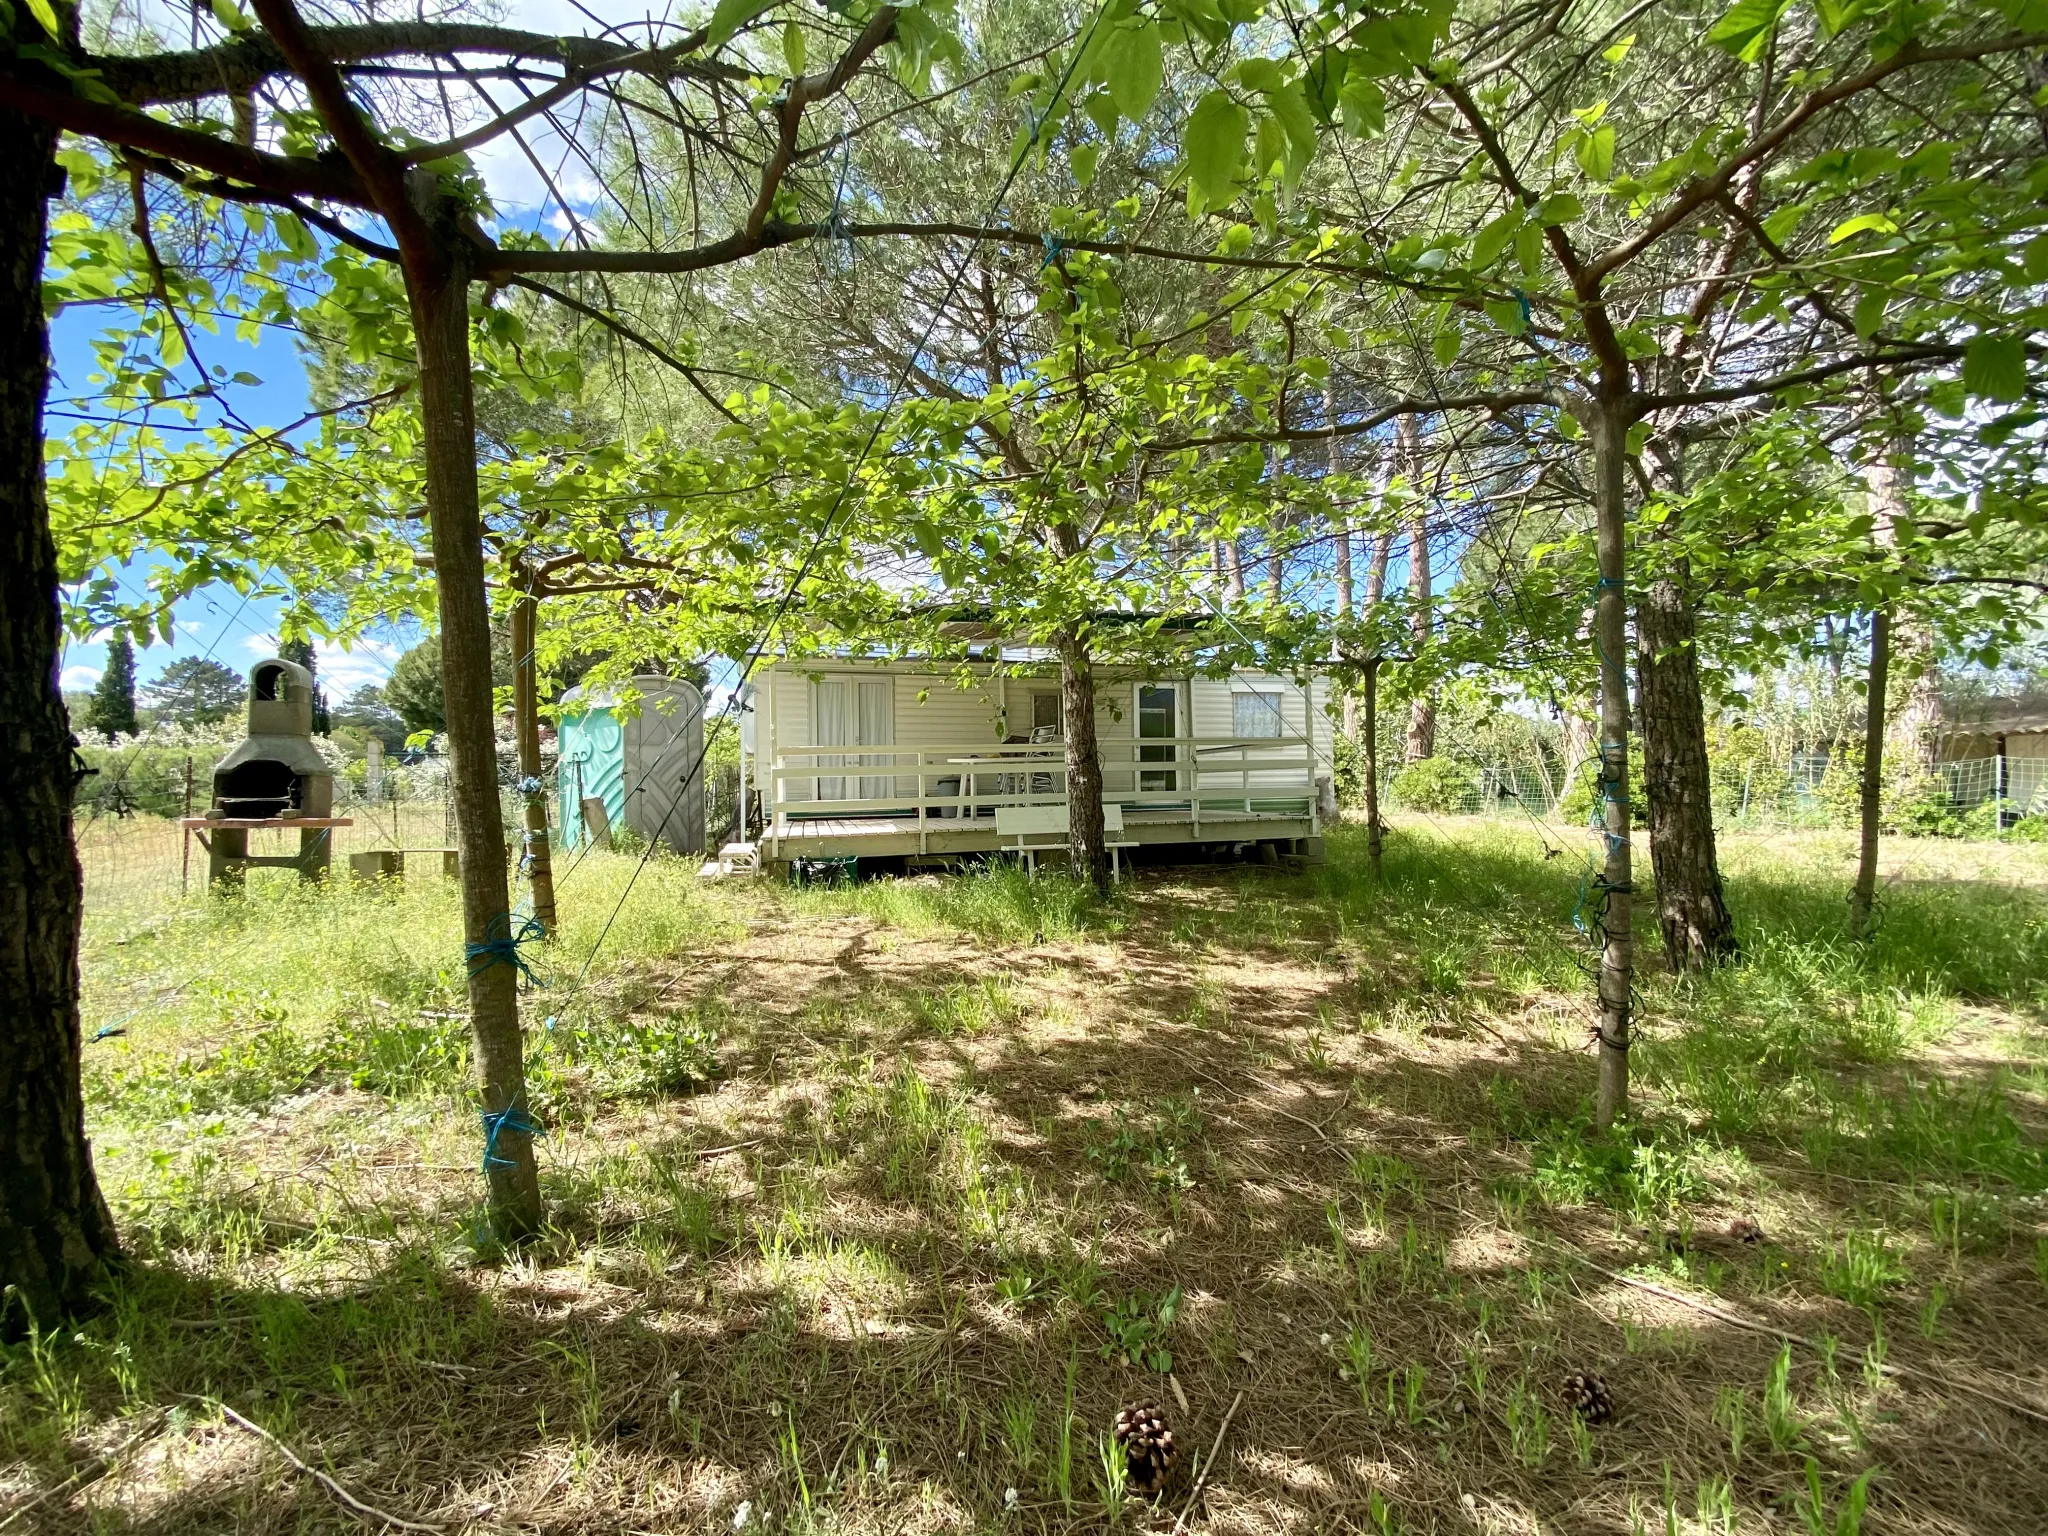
(112, 710)
(301, 651)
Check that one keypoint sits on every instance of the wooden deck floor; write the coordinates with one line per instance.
(893, 836)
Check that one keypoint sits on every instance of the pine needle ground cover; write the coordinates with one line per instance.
(871, 1208)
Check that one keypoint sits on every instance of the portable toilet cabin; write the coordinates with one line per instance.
(637, 750)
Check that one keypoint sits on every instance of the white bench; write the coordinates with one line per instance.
(1024, 822)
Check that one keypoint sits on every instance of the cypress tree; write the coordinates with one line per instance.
(112, 711)
(301, 651)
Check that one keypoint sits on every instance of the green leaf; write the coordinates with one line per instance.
(1746, 29)
(1836, 14)
(1506, 314)
(1493, 239)
(1779, 225)
(1559, 208)
(1363, 106)
(1102, 112)
(1135, 69)
(1995, 367)
(793, 48)
(1261, 75)
(41, 10)
(1869, 312)
(1620, 50)
(1862, 223)
(1290, 106)
(1083, 161)
(730, 16)
(1446, 345)
(1215, 147)
(2034, 259)
(227, 15)
(1595, 154)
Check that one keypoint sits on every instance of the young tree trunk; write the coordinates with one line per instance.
(1698, 931)
(1340, 532)
(1375, 834)
(1863, 897)
(1276, 560)
(1422, 713)
(1233, 570)
(440, 317)
(540, 864)
(55, 1231)
(1609, 433)
(1087, 843)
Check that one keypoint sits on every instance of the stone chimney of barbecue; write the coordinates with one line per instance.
(280, 699)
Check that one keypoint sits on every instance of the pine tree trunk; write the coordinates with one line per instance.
(55, 1232)
(440, 314)
(1863, 897)
(1609, 433)
(540, 864)
(1698, 932)
(1087, 843)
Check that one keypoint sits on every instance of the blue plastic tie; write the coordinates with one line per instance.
(1522, 299)
(1055, 248)
(501, 946)
(531, 786)
(511, 1118)
(106, 1032)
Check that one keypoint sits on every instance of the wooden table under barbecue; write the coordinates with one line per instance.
(227, 850)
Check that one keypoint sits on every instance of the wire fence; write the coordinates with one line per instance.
(137, 857)
(1983, 796)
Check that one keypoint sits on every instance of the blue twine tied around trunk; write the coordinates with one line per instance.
(511, 1118)
(501, 946)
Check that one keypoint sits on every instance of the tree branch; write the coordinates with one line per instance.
(1708, 189)
(288, 176)
(619, 328)
(246, 61)
(381, 170)
(1511, 400)
(801, 93)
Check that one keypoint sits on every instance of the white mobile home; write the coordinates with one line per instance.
(929, 760)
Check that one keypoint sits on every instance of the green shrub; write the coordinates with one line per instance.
(150, 781)
(1583, 793)
(1435, 785)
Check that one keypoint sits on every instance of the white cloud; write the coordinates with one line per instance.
(78, 677)
(342, 674)
(191, 627)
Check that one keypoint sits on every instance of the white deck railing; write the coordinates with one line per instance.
(944, 786)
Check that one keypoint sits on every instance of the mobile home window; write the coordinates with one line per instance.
(1045, 712)
(1255, 715)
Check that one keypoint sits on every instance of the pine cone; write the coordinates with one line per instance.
(1746, 1229)
(1587, 1396)
(1149, 1451)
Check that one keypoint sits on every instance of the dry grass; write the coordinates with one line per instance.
(922, 1232)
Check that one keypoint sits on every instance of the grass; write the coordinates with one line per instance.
(869, 1206)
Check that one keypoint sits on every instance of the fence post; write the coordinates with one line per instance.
(185, 865)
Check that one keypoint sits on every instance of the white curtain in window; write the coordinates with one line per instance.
(876, 728)
(828, 729)
(1255, 716)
